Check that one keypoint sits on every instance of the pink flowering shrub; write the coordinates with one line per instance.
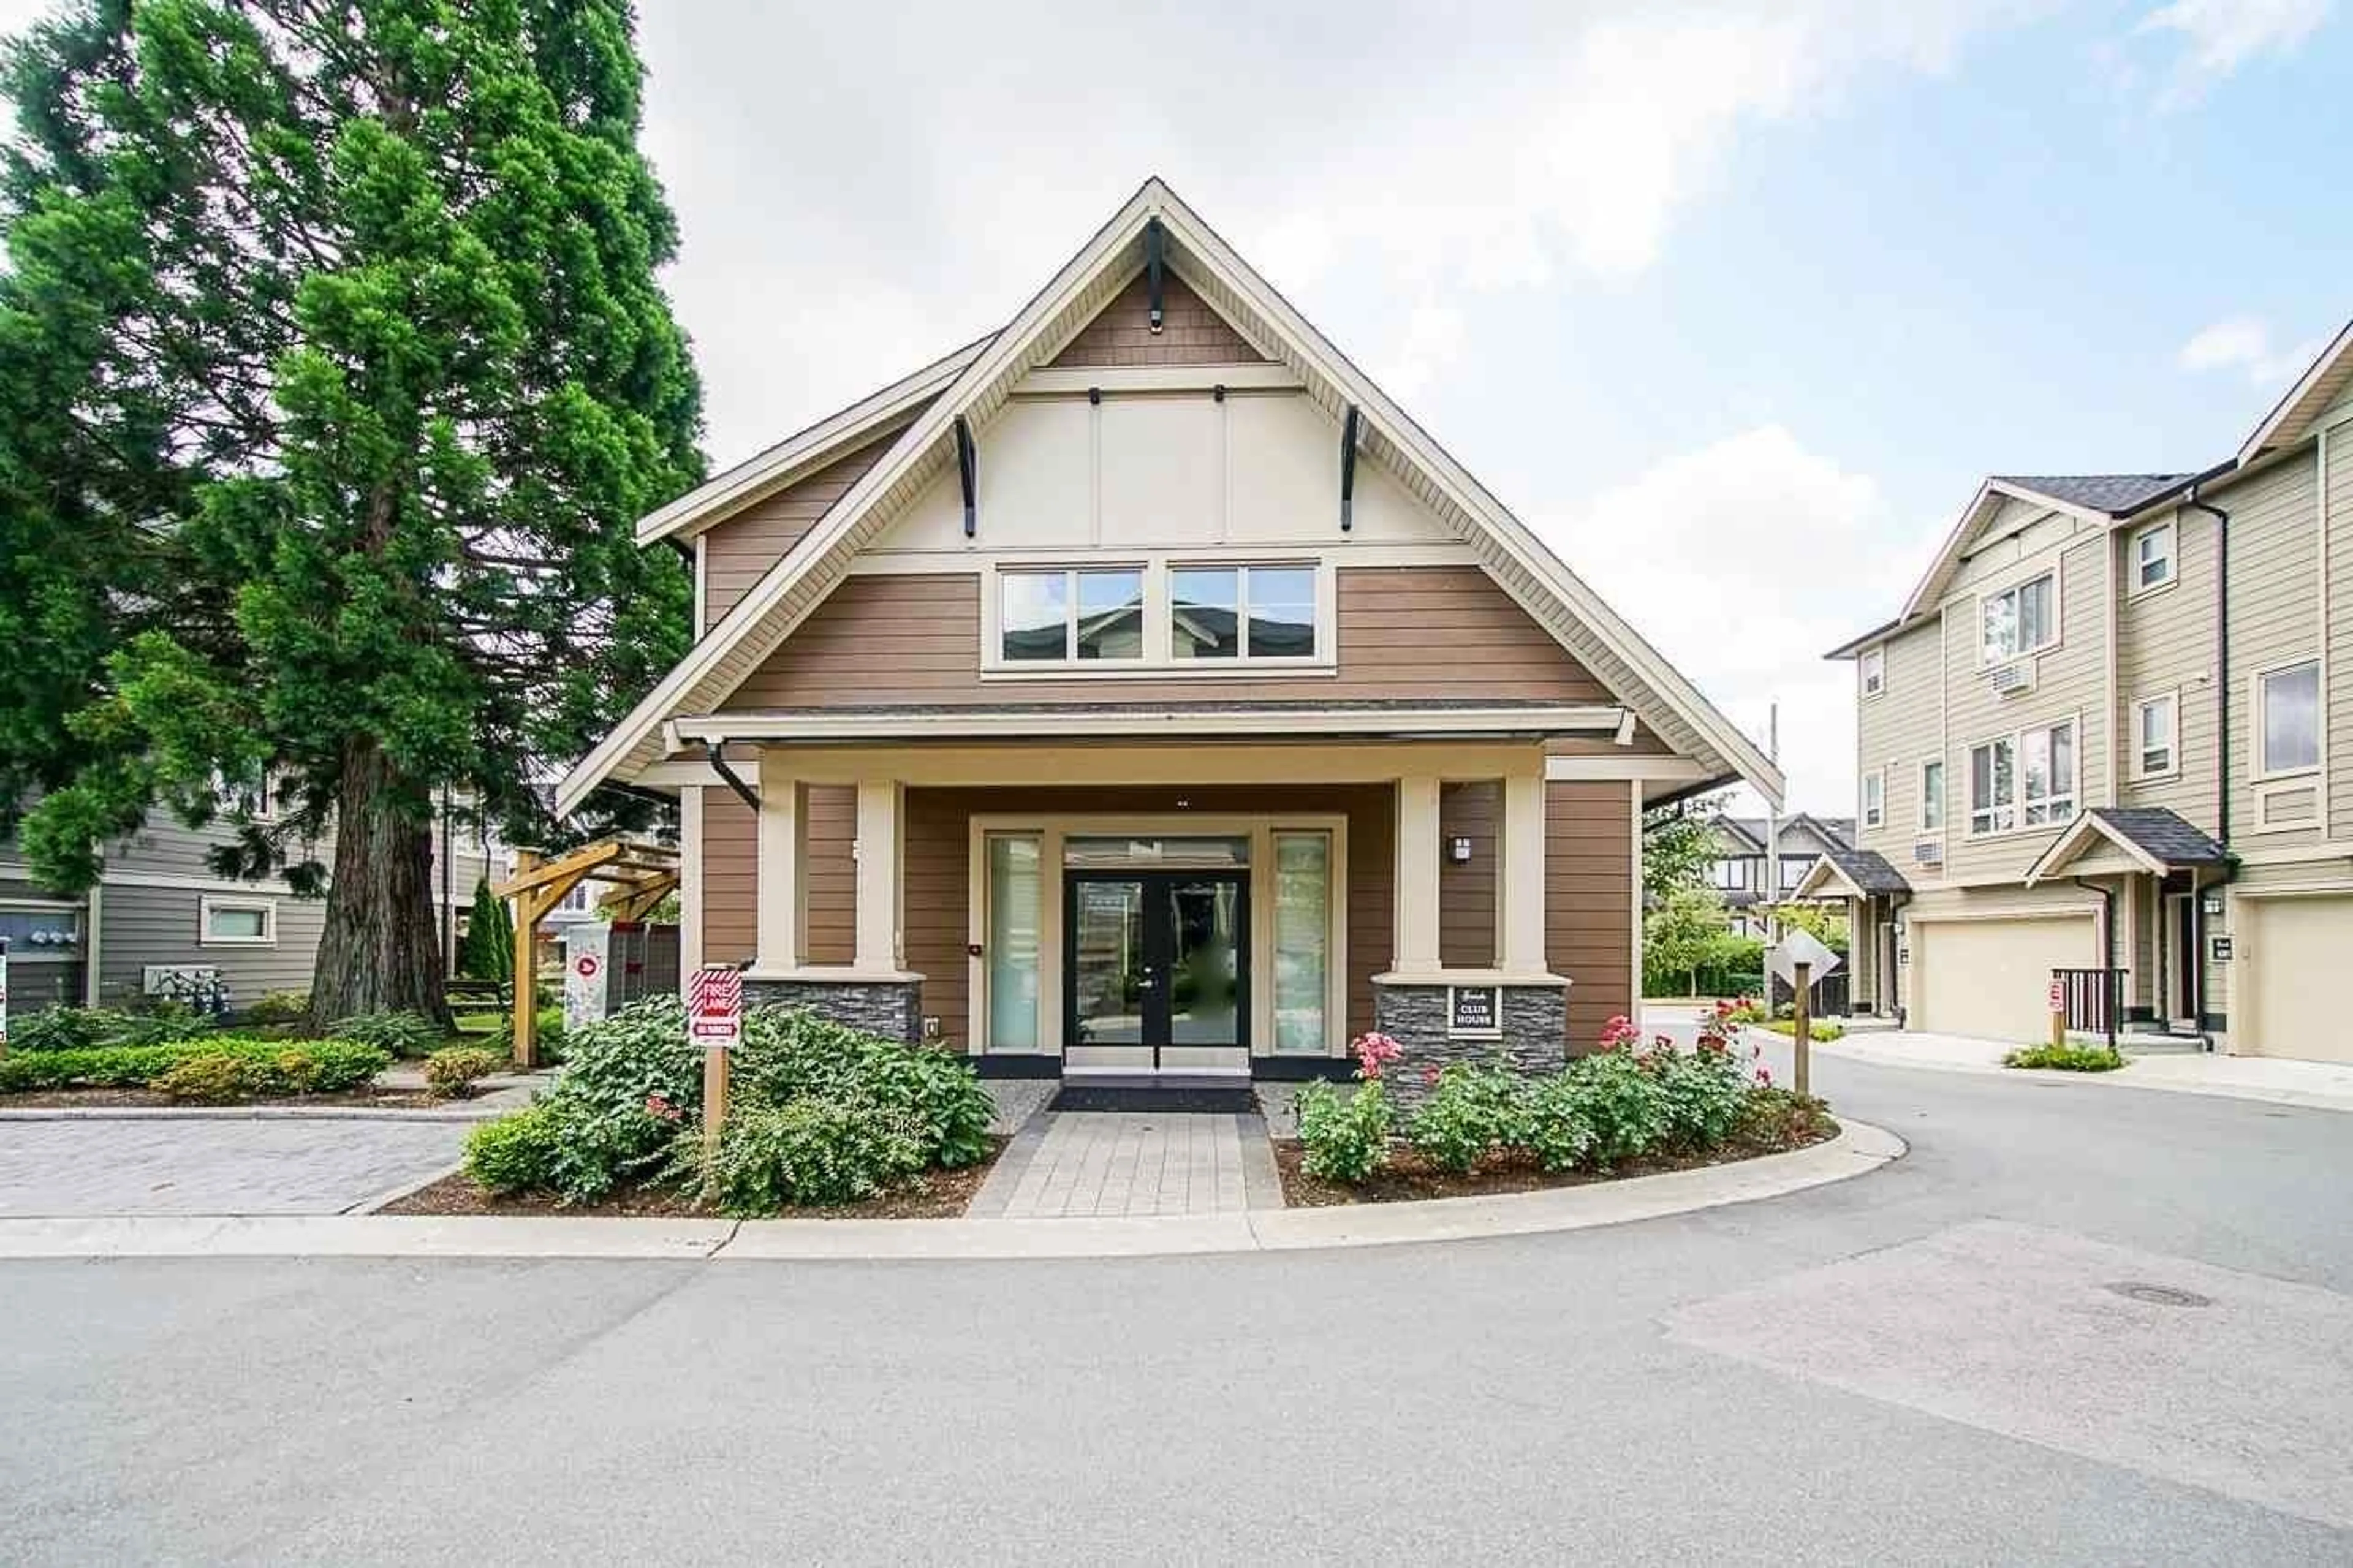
(1374, 1051)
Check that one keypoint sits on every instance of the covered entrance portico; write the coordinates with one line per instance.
(1144, 908)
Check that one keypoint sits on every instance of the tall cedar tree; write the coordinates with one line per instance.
(334, 373)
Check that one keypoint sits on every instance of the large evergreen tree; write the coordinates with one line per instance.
(334, 373)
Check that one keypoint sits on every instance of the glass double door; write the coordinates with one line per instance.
(1158, 969)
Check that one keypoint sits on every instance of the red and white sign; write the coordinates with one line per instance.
(587, 965)
(715, 1007)
(2058, 997)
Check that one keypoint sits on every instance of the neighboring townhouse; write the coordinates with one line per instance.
(2113, 728)
(1748, 877)
(1139, 692)
(159, 911)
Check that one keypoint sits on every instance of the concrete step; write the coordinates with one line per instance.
(2160, 1045)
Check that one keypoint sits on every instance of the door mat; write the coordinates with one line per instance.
(1171, 1100)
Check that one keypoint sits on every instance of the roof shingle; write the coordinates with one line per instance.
(2115, 494)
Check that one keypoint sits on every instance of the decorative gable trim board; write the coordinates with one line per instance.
(821, 726)
(1552, 594)
(802, 454)
(2293, 416)
(2088, 831)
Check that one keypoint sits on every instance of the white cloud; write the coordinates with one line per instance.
(1741, 562)
(1433, 343)
(2244, 343)
(2220, 35)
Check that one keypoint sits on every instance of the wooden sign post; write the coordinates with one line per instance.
(714, 1020)
(2058, 1012)
(1801, 1032)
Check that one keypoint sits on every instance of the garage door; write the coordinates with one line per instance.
(1992, 978)
(2292, 966)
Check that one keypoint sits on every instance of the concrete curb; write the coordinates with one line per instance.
(2122, 1078)
(1857, 1150)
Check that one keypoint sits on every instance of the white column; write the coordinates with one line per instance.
(878, 876)
(1522, 874)
(783, 928)
(689, 884)
(1415, 912)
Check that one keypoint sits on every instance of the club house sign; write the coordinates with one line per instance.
(1473, 1012)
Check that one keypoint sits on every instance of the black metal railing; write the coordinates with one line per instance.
(2093, 1000)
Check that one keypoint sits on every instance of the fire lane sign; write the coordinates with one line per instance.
(714, 1007)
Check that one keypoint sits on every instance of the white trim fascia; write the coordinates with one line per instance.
(1934, 582)
(817, 724)
(2281, 426)
(961, 562)
(1078, 381)
(804, 451)
(1642, 768)
(1306, 351)
(2069, 843)
(1823, 869)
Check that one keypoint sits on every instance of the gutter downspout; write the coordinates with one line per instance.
(2112, 994)
(2222, 744)
(714, 752)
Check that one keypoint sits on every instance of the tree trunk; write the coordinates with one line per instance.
(381, 950)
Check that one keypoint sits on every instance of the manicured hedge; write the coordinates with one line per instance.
(329, 1067)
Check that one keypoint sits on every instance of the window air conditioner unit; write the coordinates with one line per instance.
(2010, 679)
(1928, 852)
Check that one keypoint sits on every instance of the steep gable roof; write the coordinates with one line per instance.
(2291, 418)
(1512, 556)
(2116, 495)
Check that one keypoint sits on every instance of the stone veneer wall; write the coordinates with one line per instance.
(1535, 1032)
(891, 1008)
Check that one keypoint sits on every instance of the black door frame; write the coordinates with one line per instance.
(1159, 954)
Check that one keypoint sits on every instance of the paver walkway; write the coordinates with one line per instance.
(1101, 1164)
(209, 1167)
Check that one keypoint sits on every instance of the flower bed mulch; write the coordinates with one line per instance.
(935, 1194)
(1408, 1178)
(109, 1098)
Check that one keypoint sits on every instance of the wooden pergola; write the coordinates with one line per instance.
(642, 875)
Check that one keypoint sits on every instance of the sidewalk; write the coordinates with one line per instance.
(2326, 1086)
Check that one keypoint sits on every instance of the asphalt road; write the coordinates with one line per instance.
(1930, 1364)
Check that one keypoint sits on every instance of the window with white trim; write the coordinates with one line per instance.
(1732, 875)
(1874, 798)
(2287, 713)
(2152, 557)
(1793, 870)
(250, 800)
(236, 923)
(1932, 795)
(2022, 618)
(2027, 780)
(2156, 722)
(1874, 668)
(1071, 614)
(1241, 612)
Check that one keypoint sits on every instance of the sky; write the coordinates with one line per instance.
(1735, 303)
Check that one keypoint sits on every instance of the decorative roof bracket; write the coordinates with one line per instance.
(967, 475)
(1156, 243)
(1348, 471)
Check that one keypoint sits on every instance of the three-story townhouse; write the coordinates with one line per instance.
(2113, 730)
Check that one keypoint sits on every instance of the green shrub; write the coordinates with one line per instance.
(809, 1151)
(515, 1153)
(1470, 1112)
(1622, 1102)
(67, 1028)
(1818, 1030)
(209, 1076)
(274, 1067)
(402, 1034)
(453, 1069)
(1700, 1094)
(279, 1007)
(2069, 1057)
(1557, 1123)
(1344, 1138)
(789, 1054)
(1782, 1119)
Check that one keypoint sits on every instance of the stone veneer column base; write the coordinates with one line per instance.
(1534, 1036)
(891, 1008)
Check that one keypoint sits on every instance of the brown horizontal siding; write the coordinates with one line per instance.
(830, 873)
(1588, 901)
(1466, 893)
(1190, 331)
(730, 878)
(937, 899)
(1434, 632)
(738, 553)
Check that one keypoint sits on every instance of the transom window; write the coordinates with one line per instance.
(2022, 618)
(2158, 717)
(1072, 615)
(2152, 557)
(1241, 612)
(2289, 701)
(1162, 615)
(2027, 778)
(1874, 672)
